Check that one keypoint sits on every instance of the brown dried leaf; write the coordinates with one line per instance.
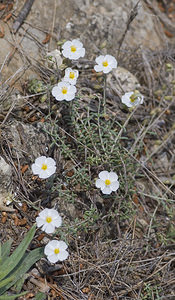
(7, 17)
(168, 33)
(2, 6)
(47, 39)
(10, 6)
(24, 168)
(1, 31)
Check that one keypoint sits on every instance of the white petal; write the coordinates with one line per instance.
(98, 68)
(48, 227)
(111, 60)
(69, 97)
(67, 44)
(67, 71)
(63, 255)
(40, 222)
(114, 185)
(57, 221)
(107, 69)
(50, 247)
(99, 59)
(113, 176)
(44, 213)
(77, 43)
(43, 174)
(62, 245)
(104, 175)
(62, 84)
(40, 160)
(60, 97)
(53, 258)
(55, 91)
(72, 89)
(50, 170)
(36, 169)
(82, 54)
(75, 55)
(50, 161)
(100, 184)
(106, 190)
(66, 53)
(53, 213)
(53, 244)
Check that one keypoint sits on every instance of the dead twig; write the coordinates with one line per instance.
(22, 15)
(163, 18)
(132, 16)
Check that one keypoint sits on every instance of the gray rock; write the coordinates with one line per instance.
(94, 22)
(122, 81)
(5, 175)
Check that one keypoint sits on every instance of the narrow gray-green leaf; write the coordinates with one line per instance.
(19, 283)
(40, 296)
(0, 253)
(11, 262)
(6, 281)
(23, 267)
(6, 249)
(12, 297)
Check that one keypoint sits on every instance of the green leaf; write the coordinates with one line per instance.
(6, 281)
(19, 283)
(12, 297)
(23, 266)
(6, 249)
(0, 253)
(40, 296)
(11, 262)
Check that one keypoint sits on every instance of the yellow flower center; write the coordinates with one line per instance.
(56, 251)
(48, 219)
(71, 75)
(107, 182)
(133, 98)
(64, 90)
(105, 63)
(73, 48)
(44, 167)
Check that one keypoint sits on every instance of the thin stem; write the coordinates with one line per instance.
(104, 94)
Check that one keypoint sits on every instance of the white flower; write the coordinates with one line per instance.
(132, 99)
(108, 182)
(105, 63)
(73, 49)
(55, 54)
(71, 76)
(56, 250)
(64, 91)
(44, 167)
(48, 219)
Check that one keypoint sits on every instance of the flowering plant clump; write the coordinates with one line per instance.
(49, 219)
(132, 99)
(56, 250)
(105, 63)
(107, 182)
(64, 91)
(44, 167)
(71, 76)
(73, 49)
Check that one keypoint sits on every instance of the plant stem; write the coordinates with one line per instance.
(104, 94)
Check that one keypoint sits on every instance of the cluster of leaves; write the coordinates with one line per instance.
(13, 268)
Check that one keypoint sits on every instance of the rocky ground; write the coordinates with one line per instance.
(121, 246)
